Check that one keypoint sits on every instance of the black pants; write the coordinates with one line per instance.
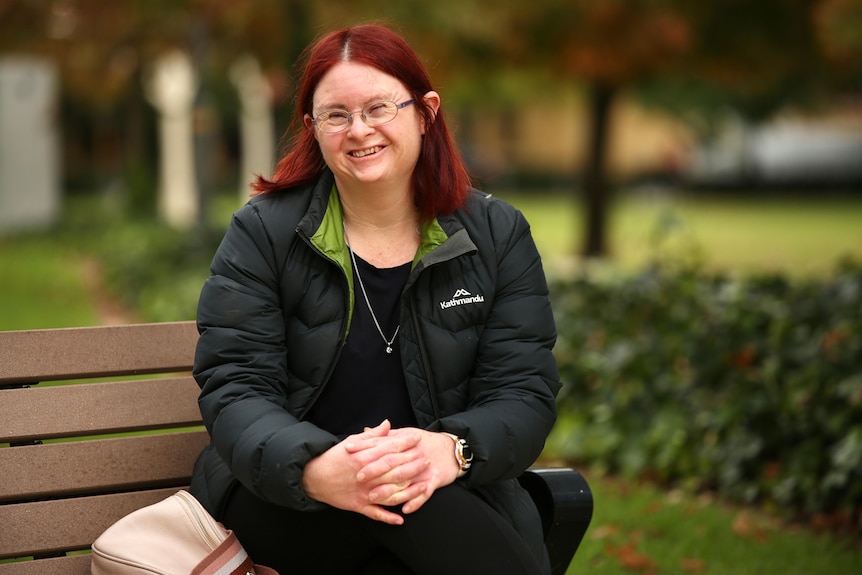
(454, 532)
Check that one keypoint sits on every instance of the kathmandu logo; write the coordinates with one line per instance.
(462, 297)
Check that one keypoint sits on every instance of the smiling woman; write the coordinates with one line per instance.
(372, 161)
(376, 341)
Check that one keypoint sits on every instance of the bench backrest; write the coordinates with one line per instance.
(81, 443)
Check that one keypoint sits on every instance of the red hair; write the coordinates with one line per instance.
(440, 180)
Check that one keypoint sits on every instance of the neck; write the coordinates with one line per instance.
(382, 228)
(378, 210)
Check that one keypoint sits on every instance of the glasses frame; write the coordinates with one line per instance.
(362, 113)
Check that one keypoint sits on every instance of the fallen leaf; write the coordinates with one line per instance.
(630, 558)
(692, 565)
(654, 507)
(604, 531)
(745, 526)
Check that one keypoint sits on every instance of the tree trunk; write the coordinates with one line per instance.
(595, 188)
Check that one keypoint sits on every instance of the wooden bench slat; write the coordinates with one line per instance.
(70, 565)
(48, 355)
(60, 525)
(100, 466)
(30, 414)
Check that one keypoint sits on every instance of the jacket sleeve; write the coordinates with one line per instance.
(240, 364)
(512, 392)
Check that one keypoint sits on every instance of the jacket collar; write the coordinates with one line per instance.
(318, 205)
(442, 238)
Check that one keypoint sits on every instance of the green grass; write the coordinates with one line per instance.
(798, 236)
(639, 529)
(43, 285)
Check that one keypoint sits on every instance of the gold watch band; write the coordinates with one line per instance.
(460, 459)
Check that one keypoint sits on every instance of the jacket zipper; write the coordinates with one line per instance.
(343, 333)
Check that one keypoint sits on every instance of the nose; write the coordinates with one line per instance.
(358, 125)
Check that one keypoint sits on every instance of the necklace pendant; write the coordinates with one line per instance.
(388, 349)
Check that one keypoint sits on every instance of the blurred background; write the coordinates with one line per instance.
(692, 170)
(576, 97)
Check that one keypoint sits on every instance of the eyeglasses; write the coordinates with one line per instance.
(374, 114)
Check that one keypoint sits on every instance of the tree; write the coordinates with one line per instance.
(752, 56)
(609, 44)
(104, 51)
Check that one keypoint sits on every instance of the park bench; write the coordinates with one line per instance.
(96, 422)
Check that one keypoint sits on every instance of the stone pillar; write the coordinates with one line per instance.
(29, 144)
(171, 89)
(257, 123)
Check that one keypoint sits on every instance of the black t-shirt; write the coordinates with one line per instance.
(368, 384)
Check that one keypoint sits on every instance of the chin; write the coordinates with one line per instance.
(368, 178)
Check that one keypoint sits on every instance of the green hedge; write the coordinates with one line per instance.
(149, 267)
(752, 386)
(157, 271)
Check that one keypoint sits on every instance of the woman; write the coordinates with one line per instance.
(375, 352)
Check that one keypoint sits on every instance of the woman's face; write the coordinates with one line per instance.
(384, 154)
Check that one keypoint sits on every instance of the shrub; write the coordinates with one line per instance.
(750, 386)
(151, 268)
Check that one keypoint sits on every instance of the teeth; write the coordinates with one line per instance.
(363, 153)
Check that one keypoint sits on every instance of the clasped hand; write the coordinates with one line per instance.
(382, 467)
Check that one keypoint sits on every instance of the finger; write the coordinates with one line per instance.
(383, 429)
(378, 513)
(365, 440)
(390, 495)
(413, 504)
(394, 468)
(384, 449)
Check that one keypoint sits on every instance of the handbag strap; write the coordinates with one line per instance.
(229, 558)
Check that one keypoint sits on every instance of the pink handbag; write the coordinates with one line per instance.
(175, 536)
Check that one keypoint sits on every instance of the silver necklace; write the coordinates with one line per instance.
(388, 342)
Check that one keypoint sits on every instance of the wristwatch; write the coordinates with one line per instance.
(463, 454)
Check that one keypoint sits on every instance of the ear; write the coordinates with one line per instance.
(306, 120)
(432, 101)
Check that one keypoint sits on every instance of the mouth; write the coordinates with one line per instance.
(365, 152)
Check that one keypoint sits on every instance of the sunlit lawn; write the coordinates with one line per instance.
(735, 233)
(797, 236)
(41, 277)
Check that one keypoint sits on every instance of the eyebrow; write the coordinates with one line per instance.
(377, 98)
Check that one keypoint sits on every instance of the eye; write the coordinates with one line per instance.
(378, 110)
(334, 117)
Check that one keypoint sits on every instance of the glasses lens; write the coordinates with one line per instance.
(380, 112)
(333, 121)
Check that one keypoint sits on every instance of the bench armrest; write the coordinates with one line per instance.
(565, 503)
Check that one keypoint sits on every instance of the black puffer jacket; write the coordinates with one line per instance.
(476, 338)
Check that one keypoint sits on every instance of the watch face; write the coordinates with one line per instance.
(466, 451)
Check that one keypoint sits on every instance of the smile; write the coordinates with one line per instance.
(366, 152)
